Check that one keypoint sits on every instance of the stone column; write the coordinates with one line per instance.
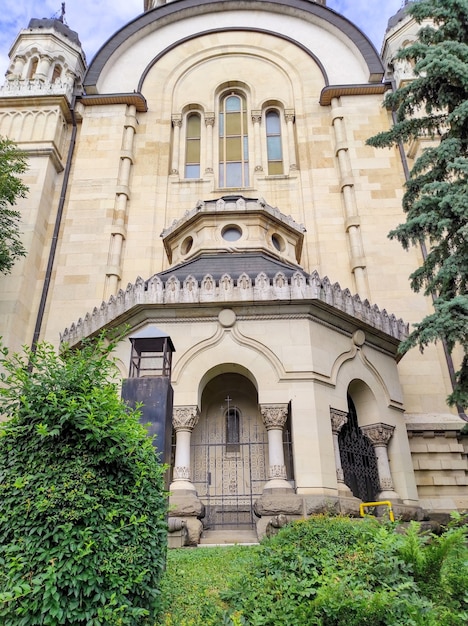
(17, 74)
(122, 195)
(209, 123)
(338, 420)
(352, 220)
(274, 417)
(379, 435)
(289, 117)
(184, 420)
(43, 67)
(256, 120)
(177, 124)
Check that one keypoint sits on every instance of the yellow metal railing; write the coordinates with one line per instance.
(386, 503)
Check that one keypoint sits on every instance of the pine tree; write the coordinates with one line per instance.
(435, 105)
(12, 163)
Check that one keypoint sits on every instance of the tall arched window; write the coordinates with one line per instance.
(57, 73)
(33, 67)
(233, 142)
(232, 416)
(192, 146)
(273, 137)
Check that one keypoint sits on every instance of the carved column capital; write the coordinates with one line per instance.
(378, 434)
(185, 417)
(176, 120)
(256, 117)
(289, 115)
(274, 415)
(338, 420)
(209, 119)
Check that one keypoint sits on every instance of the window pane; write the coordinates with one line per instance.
(233, 149)
(274, 148)
(273, 126)
(233, 174)
(232, 103)
(193, 126)
(246, 174)
(192, 171)
(275, 167)
(193, 151)
(221, 124)
(246, 148)
(221, 175)
(233, 124)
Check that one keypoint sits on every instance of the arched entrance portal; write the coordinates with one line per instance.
(358, 458)
(229, 452)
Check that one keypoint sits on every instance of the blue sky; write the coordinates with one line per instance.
(96, 20)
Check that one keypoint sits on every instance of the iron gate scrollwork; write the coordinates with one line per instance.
(358, 459)
(229, 458)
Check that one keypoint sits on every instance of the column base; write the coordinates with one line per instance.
(185, 505)
(182, 485)
(277, 483)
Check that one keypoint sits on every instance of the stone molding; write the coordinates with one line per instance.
(274, 417)
(239, 204)
(277, 471)
(338, 419)
(185, 417)
(181, 473)
(227, 289)
(378, 434)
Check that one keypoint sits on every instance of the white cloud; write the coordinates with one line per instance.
(96, 20)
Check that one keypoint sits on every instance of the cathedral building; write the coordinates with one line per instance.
(206, 181)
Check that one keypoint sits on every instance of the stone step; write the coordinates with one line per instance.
(228, 537)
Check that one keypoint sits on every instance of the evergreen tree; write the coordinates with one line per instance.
(435, 105)
(12, 163)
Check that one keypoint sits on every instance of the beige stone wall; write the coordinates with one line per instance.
(440, 459)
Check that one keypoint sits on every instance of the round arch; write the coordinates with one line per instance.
(176, 12)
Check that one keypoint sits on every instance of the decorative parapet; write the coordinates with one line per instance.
(233, 203)
(35, 87)
(229, 289)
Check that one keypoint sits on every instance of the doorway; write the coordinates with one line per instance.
(229, 452)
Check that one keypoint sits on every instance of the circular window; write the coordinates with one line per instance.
(186, 245)
(277, 242)
(231, 233)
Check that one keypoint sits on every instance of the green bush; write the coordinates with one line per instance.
(82, 518)
(338, 571)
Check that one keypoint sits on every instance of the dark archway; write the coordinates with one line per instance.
(358, 458)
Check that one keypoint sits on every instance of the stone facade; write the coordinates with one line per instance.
(266, 261)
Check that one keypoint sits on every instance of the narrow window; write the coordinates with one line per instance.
(192, 146)
(233, 142)
(57, 74)
(33, 67)
(232, 430)
(274, 150)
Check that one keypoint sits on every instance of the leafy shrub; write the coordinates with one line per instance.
(82, 518)
(338, 571)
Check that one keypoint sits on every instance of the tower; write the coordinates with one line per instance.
(47, 65)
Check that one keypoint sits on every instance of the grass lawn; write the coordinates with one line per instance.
(193, 580)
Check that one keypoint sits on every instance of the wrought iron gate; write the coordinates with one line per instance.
(229, 469)
(358, 459)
